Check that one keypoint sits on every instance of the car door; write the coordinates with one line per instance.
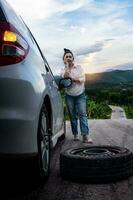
(56, 100)
(52, 90)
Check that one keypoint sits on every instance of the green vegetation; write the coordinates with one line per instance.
(113, 96)
(98, 110)
(129, 111)
(109, 88)
(98, 100)
(94, 110)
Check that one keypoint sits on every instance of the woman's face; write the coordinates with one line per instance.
(68, 58)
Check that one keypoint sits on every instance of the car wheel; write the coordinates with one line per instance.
(43, 159)
(96, 164)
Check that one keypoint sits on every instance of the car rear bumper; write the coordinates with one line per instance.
(20, 102)
(18, 136)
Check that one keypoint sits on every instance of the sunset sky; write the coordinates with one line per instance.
(99, 32)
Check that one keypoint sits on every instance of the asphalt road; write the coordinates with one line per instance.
(112, 132)
(117, 112)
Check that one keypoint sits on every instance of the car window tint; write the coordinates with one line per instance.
(2, 17)
(13, 18)
(18, 22)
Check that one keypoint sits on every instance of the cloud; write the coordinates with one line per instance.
(98, 32)
(43, 9)
(94, 48)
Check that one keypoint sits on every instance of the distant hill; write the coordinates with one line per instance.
(116, 77)
(108, 79)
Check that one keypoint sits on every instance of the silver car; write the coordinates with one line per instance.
(31, 108)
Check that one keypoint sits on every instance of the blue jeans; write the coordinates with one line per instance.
(77, 105)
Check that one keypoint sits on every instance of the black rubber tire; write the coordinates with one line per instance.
(96, 164)
(44, 141)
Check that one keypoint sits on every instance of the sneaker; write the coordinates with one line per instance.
(75, 138)
(87, 139)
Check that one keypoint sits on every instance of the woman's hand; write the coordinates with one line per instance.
(66, 75)
(67, 72)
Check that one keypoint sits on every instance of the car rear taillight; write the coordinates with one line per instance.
(13, 46)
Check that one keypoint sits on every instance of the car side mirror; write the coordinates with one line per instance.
(65, 83)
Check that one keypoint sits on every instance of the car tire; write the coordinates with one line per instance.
(96, 164)
(44, 149)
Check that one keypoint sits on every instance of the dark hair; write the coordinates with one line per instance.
(67, 51)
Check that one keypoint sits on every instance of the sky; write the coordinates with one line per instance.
(98, 32)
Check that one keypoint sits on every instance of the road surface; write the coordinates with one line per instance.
(117, 112)
(113, 132)
(103, 132)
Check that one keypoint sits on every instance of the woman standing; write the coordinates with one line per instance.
(75, 97)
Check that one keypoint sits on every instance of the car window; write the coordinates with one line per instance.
(2, 17)
(18, 22)
(14, 19)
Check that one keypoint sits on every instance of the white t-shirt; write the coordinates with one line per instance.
(76, 72)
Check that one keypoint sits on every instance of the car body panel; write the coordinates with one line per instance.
(23, 89)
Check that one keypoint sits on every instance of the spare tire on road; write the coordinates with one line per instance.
(96, 164)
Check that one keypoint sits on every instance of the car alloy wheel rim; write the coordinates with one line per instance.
(44, 143)
(88, 151)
